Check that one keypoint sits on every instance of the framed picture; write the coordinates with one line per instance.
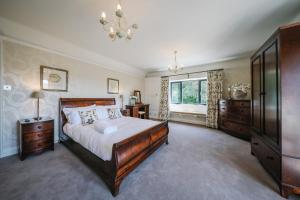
(112, 86)
(54, 79)
(137, 93)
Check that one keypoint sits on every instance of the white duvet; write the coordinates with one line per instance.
(101, 144)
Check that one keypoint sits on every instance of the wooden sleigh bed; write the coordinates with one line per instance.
(126, 154)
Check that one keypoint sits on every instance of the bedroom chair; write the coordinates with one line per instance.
(142, 114)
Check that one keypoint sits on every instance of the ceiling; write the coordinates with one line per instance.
(202, 31)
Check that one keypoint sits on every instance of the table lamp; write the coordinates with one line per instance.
(37, 95)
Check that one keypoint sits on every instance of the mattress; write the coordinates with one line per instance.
(101, 144)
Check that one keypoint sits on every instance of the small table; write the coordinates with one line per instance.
(35, 136)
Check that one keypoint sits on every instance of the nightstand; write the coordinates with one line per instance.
(125, 112)
(35, 136)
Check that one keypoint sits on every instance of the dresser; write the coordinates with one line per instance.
(35, 136)
(234, 118)
(275, 70)
(134, 110)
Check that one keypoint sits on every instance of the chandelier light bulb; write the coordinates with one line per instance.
(118, 27)
(119, 7)
(103, 15)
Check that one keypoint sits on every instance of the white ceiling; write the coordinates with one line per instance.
(202, 31)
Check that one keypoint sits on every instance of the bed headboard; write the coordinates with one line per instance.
(79, 102)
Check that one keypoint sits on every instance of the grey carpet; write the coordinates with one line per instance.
(198, 163)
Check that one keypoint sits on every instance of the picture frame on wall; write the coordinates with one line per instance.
(54, 79)
(112, 86)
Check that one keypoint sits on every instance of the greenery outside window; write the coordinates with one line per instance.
(189, 92)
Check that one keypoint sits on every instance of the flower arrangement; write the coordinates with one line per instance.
(239, 90)
(132, 100)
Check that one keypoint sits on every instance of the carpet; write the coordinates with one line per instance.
(199, 163)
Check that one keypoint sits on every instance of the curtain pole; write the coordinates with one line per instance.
(192, 73)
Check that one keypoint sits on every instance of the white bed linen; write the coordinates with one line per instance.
(101, 144)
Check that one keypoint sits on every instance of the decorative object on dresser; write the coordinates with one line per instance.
(126, 154)
(134, 110)
(234, 118)
(35, 136)
(239, 91)
(275, 70)
(38, 95)
(54, 79)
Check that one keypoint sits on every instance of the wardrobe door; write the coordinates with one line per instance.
(256, 94)
(271, 93)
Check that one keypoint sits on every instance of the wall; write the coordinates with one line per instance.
(237, 70)
(21, 70)
(296, 19)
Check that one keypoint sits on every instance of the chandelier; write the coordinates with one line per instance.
(175, 67)
(117, 28)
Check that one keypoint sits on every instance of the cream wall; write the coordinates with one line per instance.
(21, 70)
(237, 70)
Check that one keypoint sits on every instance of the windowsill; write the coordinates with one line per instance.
(191, 113)
(189, 109)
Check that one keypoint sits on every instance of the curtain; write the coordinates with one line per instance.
(214, 93)
(164, 99)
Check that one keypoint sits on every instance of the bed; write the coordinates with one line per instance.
(126, 154)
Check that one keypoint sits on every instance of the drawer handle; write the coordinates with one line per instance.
(39, 127)
(270, 157)
(255, 143)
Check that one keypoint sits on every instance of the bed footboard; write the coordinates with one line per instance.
(129, 153)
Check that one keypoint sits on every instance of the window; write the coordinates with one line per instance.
(189, 92)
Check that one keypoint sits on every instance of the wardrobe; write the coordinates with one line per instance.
(275, 107)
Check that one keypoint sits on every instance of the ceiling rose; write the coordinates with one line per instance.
(118, 28)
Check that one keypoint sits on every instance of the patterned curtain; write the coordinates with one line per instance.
(214, 93)
(164, 99)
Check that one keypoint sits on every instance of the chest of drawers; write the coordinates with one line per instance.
(234, 117)
(35, 136)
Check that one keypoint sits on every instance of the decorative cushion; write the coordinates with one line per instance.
(88, 116)
(114, 113)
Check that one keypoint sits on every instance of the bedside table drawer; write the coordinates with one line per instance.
(37, 145)
(39, 126)
(34, 136)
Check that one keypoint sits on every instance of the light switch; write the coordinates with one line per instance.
(7, 87)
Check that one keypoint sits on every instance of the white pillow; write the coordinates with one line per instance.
(102, 112)
(73, 118)
(68, 110)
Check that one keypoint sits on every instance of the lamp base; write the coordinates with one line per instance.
(37, 118)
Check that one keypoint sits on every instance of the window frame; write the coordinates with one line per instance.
(181, 96)
(180, 91)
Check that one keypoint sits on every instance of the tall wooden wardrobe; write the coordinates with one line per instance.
(275, 107)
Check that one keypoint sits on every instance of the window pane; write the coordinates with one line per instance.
(175, 92)
(203, 92)
(190, 92)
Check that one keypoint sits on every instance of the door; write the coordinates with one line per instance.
(256, 94)
(271, 93)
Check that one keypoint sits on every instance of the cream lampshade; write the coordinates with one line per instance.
(38, 95)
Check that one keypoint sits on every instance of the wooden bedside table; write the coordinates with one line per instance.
(125, 112)
(36, 136)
